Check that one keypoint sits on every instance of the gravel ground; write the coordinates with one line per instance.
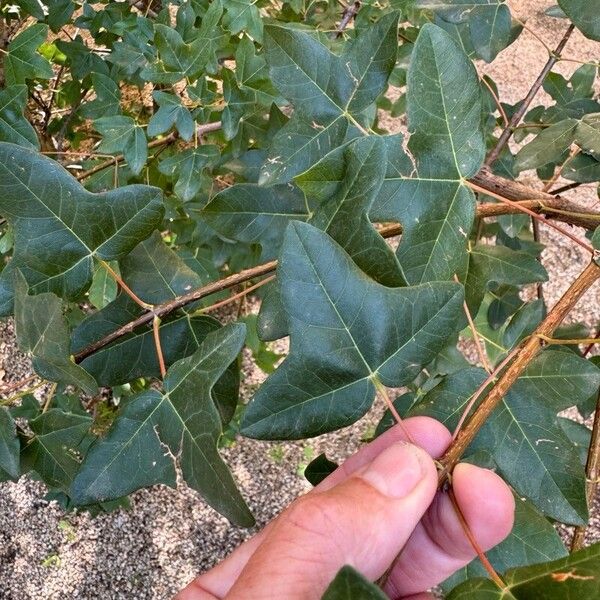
(151, 550)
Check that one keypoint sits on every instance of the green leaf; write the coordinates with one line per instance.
(181, 60)
(43, 334)
(587, 135)
(170, 113)
(104, 288)
(107, 102)
(347, 332)
(123, 135)
(533, 539)
(584, 15)
(351, 585)
(328, 92)
(60, 226)
(22, 61)
(569, 578)
(188, 166)
(319, 468)
(345, 218)
(82, 59)
(250, 213)
(523, 435)
(499, 264)
(549, 146)
(243, 15)
(55, 451)
(157, 429)
(14, 127)
(9, 446)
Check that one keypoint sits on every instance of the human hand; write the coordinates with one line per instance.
(380, 501)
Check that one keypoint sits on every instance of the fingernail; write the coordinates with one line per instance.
(397, 470)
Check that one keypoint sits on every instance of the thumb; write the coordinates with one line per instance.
(364, 522)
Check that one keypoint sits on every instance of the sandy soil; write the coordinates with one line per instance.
(151, 550)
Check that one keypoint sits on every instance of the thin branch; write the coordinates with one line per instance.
(533, 214)
(518, 115)
(526, 354)
(381, 389)
(17, 384)
(592, 470)
(568, 342)
(496, 101)
(480, 351)
(485, 210)
(125, 287)
(169, 139)
(49, 397)
(349, 13)
(487, 565)
(226, 301)
(159, 352)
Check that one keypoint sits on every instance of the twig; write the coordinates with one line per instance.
(17, 384)
(233, 298)
(592, 470)
(390, 405)
(487, 565)
(568, 342)
(349, 13)
(496, 101)
(125, 287)
(49, 397)
(533, 214)
(169, 139)
(482, 356)
(518, 115)
(12, 399)
(525, 355)
(159, 352)
(388, 231)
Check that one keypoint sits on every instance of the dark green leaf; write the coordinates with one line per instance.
(9, 445)
(104, 288)
(584, 15)
(347, 333)
(60, 226)
(573, 577)
(107, 102)
(587, 135)
(42, 333)
(319, 468)
(351, 585)
(157, 429)
(123, 135)
(170, 112)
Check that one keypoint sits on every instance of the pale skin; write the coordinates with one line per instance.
(381, 502)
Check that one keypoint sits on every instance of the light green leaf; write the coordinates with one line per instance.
(42, 333)
(346, 332)
(22, 61)
(587, 135)
(123, 135)
(14, 127)
(60, 226)
(243, 15)
(351, 585)
(573, 577)
(104, 288)
(328, 92)
(157, 429)
(549, 146)
(584, 15)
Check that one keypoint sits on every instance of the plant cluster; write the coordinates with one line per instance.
(159, 160)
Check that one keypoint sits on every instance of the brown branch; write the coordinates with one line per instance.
(528, 351)
(117, 278)
(169, 139)
(592, 470)
(157, 345)
(349, 13)
(484, 210)
(518, 115)
(16, 385)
